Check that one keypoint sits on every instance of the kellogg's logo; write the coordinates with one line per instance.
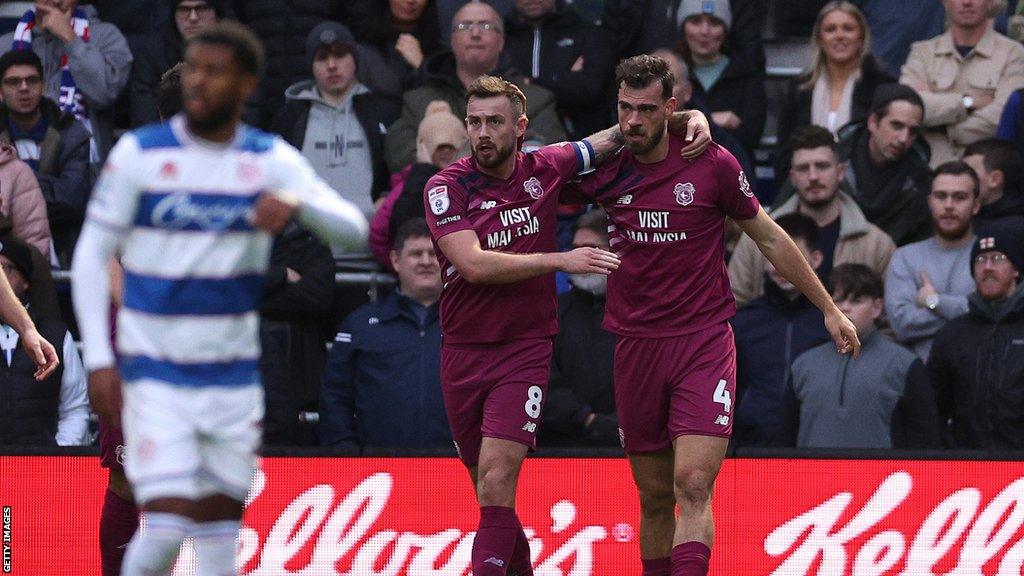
(817, 534)
(351, 529)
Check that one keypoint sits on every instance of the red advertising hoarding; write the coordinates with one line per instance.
(390, 516)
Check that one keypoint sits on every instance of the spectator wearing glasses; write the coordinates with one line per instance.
(53, 143)
(165, 49)
(977, 362)
(86, 63)
(477, 41)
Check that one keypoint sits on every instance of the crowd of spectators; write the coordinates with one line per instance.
(894, 160)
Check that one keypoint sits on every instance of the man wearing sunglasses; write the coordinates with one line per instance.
(977, 360)
(52, 142)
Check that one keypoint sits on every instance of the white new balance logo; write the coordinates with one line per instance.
(625, 199)
(530, 427)
(722, 420)
(496, 561)
(487, 205)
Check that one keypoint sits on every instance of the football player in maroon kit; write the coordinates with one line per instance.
(669, 303)
(492, 217)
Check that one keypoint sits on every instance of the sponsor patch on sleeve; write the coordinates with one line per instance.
(438, 198)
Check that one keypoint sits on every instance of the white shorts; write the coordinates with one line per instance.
(184, 442)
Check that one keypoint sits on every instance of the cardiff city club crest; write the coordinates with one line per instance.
(438, 199)
(745, 185)
(684, 193)
(533, 188)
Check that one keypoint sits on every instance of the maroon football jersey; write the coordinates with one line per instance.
(512, 215)
(667, 224)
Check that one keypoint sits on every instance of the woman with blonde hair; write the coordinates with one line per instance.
(837, 86)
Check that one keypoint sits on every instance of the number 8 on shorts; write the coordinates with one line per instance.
(534, 395)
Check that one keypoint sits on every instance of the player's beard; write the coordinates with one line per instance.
(215, 119)
(500, 155)
(644, 146)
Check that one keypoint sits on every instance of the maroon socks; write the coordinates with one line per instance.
(690, 559)
(118, 523)
(495, 541)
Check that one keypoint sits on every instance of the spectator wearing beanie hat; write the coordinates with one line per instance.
(729, 83)
(440, 140)
(336, 121)
(54, 411)
(977, 360)
(164, 49)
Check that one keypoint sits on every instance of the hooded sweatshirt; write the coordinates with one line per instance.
(336, 145)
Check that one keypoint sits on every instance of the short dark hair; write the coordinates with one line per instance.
(493, 87)
(640, 71)
(246, 46)
(886, 94)
(959, 168)
(168, 92)
(809, 138)
(18, 58)
(999, 155)
(855, 281)
(593, 220)
(411, 228)
(801, 226)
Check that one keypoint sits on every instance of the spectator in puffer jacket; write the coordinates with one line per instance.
(21, 201)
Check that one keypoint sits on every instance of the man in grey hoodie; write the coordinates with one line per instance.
(99, 63)
(337, 123)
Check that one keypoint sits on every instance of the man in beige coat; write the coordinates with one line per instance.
(846, 237)
(964, 77)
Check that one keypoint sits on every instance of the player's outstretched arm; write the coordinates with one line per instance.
(479, 266)
(16, 316)
(780, 250)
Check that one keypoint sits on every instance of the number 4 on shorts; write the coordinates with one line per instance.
(723, 397)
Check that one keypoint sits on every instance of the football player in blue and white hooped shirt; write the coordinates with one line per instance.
(187, 205)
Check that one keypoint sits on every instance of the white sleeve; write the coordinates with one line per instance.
(90, 292)
(115, 197)
(110, 214)
(321, 210)
(73, 422)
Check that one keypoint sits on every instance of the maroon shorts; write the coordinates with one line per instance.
(496, 391)
(675, 386)
(111, 448)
